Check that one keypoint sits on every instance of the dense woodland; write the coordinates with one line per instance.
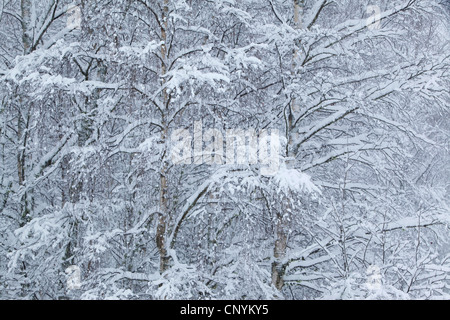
(92, 93)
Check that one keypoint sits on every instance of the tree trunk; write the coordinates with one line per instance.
(279, 253)
(282, 227)
(25, 6)
(22, 124)
(163, 200)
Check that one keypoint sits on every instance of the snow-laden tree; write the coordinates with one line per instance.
(94, 92)
(351, 106)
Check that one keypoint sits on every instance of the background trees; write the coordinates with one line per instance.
(87, 114)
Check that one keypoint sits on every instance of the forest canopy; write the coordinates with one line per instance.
(226, 149)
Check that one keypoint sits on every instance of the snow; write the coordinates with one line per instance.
(294, 180)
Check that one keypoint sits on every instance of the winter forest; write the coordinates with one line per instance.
(224, 149)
